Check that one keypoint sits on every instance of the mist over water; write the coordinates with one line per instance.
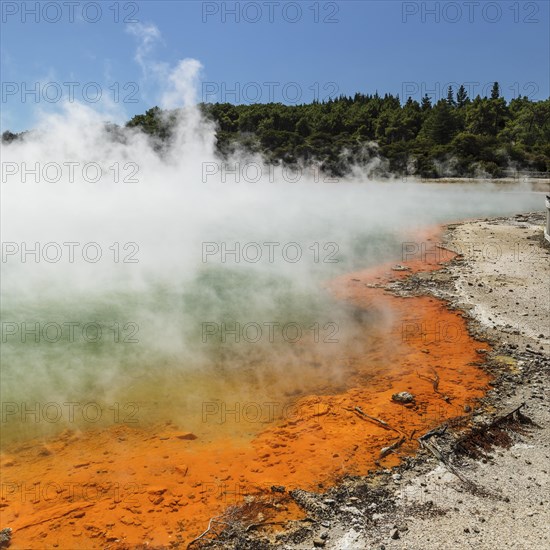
(163, 284)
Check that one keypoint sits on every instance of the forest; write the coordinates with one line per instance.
(485, 137)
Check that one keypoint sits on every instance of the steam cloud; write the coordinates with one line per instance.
(169, 209)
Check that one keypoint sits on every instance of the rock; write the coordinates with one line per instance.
(322, 409)
(395, 534)
(5, 537)
(350, 510)
(185, 435)
(400, 268)
(308, 501)
(318, 543)
(403, 397)
(156, 490)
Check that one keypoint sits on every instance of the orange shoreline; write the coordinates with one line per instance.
(121, 487)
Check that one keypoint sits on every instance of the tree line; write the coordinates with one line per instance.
(457, 135)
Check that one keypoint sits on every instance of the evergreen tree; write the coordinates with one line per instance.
(495, 91)
(426, 104)
(462, 97)
(450, 97)
(441, 125)
(8, 137)
(303, 128)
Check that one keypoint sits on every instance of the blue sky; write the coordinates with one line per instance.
(283, 51)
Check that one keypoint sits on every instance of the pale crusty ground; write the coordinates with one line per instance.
(506, 276)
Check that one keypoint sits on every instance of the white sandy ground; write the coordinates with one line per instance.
(504, 283)
(506, 277)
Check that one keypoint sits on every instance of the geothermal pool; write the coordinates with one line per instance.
(208, 315)
(173, 346)
(120, 483)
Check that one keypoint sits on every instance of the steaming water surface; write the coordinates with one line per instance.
(162, 288)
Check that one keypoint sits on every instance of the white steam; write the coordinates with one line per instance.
(168, 204)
